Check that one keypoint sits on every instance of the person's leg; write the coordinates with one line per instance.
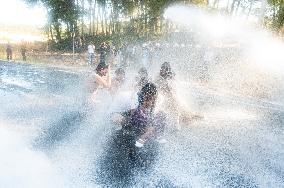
(89, 59)
(160, 121)
(92, 59)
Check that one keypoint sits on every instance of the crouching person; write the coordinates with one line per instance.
(141, 123)
(133, 148)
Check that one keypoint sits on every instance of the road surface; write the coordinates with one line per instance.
(49, 139)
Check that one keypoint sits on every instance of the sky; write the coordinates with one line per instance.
(17, 12)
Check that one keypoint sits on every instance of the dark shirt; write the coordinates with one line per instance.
(139, 120)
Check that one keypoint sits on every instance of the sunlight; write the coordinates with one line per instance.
(17, 12)
(231, 114)
(19, 37)
(268, 55)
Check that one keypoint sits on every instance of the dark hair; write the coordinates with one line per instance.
(143, 77)
(101, 66)
(119, 71)
(143, 71)
(148, 91)
(166, 71)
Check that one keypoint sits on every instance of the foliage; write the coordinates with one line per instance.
(277, 10)
(94, 21)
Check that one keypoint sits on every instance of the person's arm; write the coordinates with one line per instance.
(105, 83)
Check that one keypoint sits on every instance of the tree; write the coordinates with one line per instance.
(277, 18)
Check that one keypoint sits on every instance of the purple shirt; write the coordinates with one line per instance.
(140, 120)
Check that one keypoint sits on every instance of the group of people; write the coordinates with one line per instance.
(9, 51)
(146, 120)
(104, 50)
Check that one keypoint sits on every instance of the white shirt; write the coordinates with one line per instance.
(91, 49)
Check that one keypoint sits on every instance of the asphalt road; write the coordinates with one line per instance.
(49, 138)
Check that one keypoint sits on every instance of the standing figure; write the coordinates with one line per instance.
(142, 78)
(9, 51)
(23, 52)
(118, 80)
(91, 53)
(103, 52)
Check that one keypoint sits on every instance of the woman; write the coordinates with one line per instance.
(100, 79)
(175, 111)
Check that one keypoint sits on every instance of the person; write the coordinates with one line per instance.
(142, 78)
(23, 52)
(132, 149)
(141, 124)
(100, 79)
(165, 84)
(118, 79)
(91, 53)
(9, 51)
(165, 78)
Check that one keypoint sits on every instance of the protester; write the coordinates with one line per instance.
(23, 52)
(165, 83)
(141, 124)
(118, 79)
(9, 51)
(91, 54)
(100, 79)
(142, 78)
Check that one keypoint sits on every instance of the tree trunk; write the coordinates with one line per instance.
(250, 7)
(238, 6)
(97, 22)
(51, 33)
(216, 4)
(262, 13)
(232, 7)
(95, 26)
(90, 17)
(58, 31)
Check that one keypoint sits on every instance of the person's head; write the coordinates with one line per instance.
(166, 71)
(120, 74)
(143, 73)
(142, 77)
(102, 69)
(147, 96)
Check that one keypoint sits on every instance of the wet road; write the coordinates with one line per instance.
(49, 139)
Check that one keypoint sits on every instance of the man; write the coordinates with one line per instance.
(141, 124)
(91, 53)
(9, 51)
(23, 52)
